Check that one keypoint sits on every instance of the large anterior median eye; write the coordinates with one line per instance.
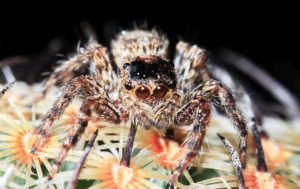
(160, 91)
(142, 92)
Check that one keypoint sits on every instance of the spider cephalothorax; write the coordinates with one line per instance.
(149, 77)
(147, 89)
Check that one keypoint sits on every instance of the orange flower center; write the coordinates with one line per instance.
(168, 151)
(116, 176)
(122, 175)
(261, 180)
(21, 146)
(275, 154)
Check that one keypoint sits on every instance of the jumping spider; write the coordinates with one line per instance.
(141, 87)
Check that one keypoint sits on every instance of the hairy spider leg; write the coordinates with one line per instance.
(261, 162)
(105, 110)
(93, 53)
(82, 85)
(201, 108)
(126, 155)
(190, 61)
(235, 160)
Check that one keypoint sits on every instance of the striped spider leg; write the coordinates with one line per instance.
(96, 102)
(92, 57)
(191, 64)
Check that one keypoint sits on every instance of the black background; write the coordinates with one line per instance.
(270, 40)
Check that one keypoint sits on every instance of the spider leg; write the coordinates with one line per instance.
(193, 143)
(261, 161)
(84, 117)
(79, 85)
(190, 63)
(126, 155)
(211, 88)
(199, 106)
(235, 160)
(105, 110)
(253, 114)
(258, 133)
(255, 122)
(92, 57)
(63, 73)
(86, 152)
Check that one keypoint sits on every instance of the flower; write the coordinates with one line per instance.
(16, 139)
(275, 154)
(115, 176)
(71, 115)
(168, 151)
(105, 167)
(255, 179)
(154, 157)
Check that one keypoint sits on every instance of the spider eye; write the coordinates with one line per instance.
(125, 65)
(160, 91)
(172, 84)
(128, 85)
(142, 92)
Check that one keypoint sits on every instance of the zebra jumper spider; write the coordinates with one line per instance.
(141, 86)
